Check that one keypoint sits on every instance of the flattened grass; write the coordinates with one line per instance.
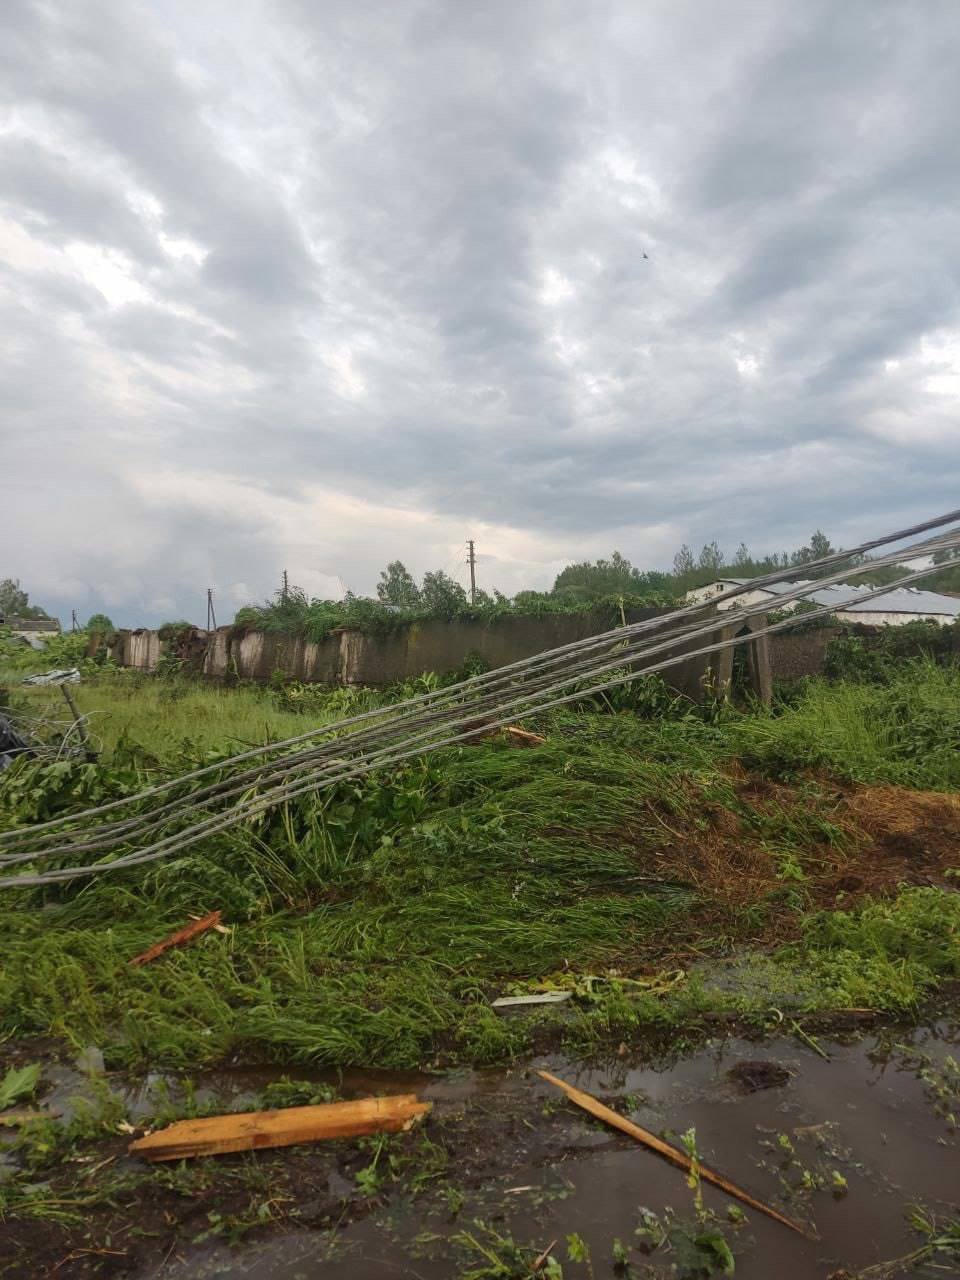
(374, 924)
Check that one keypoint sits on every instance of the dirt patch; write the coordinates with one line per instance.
(751, 1077)
(884, 837)
(917, 826)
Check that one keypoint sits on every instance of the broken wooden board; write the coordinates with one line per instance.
(521, 1002)
(188, 932)
(252, 1130)
(595, 1108)
(524, 735)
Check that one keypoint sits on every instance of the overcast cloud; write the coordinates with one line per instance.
(320, 283)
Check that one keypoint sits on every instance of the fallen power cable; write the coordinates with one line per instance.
(173, 815)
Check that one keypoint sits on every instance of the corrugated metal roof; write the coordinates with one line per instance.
(902, 600)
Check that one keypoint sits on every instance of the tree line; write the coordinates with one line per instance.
(577, 586)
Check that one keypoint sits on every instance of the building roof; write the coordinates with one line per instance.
(899, 600)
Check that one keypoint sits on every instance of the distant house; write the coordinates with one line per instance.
(32, 631)
(896, 607)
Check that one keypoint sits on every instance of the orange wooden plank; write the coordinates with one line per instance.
(252, 1130)
(680, 1158)
(185, 934)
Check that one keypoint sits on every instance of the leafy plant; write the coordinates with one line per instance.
(19, 1083)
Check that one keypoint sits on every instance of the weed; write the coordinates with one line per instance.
(941, 1244)
(19, 1083)
(696, 1249)
(500, 1257)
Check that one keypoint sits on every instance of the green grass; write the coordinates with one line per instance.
(905, 731)
(170, 720)
(374, 924)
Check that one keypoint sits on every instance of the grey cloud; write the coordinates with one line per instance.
(419, 277)
(59, 200)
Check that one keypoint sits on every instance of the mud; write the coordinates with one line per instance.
(865, 1134)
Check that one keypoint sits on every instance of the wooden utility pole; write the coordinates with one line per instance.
(211, 616)
(78, 721)
(472, 562)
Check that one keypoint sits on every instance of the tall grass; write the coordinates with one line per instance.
(905, 731)
(170, 719)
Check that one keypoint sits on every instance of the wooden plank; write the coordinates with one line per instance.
(252, 1130)
(185, 934)
(680, 1158)
(524, 736)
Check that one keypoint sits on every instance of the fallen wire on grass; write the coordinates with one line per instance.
(178, 813)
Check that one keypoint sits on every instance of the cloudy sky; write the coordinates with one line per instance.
(320, 283)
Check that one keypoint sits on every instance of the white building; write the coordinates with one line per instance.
(894, 608)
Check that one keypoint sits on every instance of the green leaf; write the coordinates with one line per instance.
(19, 1082)
(713, 1244)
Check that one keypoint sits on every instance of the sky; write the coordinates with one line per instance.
(316, 286)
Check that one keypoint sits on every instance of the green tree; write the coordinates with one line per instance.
(683, 562)
(586, 581)
(819, 546)
(442, 595)
(711, 557)
(15, 603)
(397, 586)
(99, 624)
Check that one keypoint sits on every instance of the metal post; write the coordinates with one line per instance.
(472, 562)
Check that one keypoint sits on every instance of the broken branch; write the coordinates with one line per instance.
(188, 932)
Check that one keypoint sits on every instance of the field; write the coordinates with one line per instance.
(639, 857)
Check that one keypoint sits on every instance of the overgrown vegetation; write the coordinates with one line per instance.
(375, 923)
(293, 613)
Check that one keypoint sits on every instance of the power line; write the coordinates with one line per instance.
(455, 714)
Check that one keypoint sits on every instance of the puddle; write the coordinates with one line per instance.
(536, 1169)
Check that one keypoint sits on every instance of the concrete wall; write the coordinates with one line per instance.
(802, 654)
(139, 649)
(353, 657)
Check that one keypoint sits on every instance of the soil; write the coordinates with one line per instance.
(752, 1076)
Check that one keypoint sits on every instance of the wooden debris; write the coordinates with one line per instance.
(251, 1130)
(524, 735)
(679, 1158)
(186, 934)
(539, 997)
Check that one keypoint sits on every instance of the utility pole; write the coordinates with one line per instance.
(472, 562)
(286, 588)
(74, 624)
(211, 616)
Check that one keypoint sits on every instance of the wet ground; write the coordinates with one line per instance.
(845, 1143)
